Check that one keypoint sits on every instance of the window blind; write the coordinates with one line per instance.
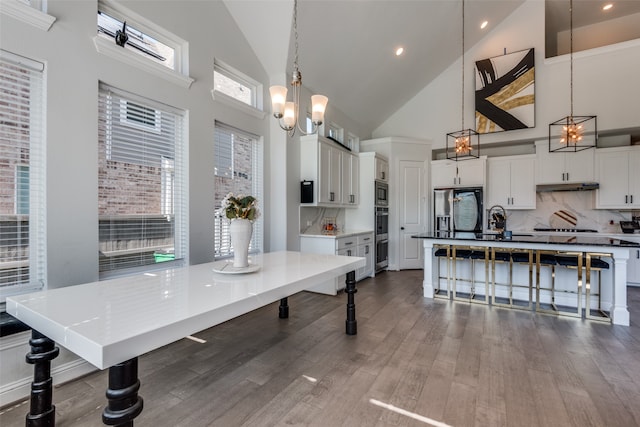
(238, 169)
(22, 172)
(141, 182)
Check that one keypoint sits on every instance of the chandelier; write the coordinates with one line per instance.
(288, 112)
(573, 133)
(463, 144)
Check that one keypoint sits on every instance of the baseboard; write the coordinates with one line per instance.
(19, 390)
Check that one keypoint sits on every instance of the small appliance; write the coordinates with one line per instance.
(381, 193)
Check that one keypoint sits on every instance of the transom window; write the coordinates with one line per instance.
(235, 84)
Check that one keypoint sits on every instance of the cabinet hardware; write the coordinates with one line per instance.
(638, 254)
(366, 250)
(349, 252)
(331, 196)
(367, 238)
(567, 176)
(626, 198)
(348, 243)
(382, 175)
(631, 198)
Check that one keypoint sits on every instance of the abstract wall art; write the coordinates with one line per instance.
(505, 92)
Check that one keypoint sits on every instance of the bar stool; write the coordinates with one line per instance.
(477, 254)
(460, 253)
(593, 262)
(500, 257)
(443, 251)
(589, 263)
(522, 257)
(546, 259)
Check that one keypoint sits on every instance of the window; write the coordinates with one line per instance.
(237, 169)
(353, 142)
(22, 200)
(141, 182)
(336, 132)
(137, 41)
(236, 89)
(32, 12)
(147, 46)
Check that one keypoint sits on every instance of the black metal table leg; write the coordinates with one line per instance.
(124, 403)
(351, 323)
(284, 308)
(41, 413)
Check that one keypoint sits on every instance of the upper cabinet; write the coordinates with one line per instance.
(618, 171)
(382, 169)
(564, 167)
(333, 169)
(511, 182)
(466, 173)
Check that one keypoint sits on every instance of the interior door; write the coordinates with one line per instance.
(412, 213)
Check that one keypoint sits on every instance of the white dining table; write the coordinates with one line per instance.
(111, 323)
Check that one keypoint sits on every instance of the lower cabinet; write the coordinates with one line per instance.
(633, 267)
(354, 244)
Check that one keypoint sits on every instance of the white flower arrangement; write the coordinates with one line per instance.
(240, 207)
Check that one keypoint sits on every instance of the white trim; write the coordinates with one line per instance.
(232, 102)
(112, 50)
(27, 14)
(593, 52)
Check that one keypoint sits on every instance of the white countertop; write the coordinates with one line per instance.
(339, 234)
(115, 320)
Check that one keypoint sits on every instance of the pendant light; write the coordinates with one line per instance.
(463, 144)
(288, 112)
(573, 133)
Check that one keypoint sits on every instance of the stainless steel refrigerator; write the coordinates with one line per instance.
(457, 210)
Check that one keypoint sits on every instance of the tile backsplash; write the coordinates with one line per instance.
(579, 202)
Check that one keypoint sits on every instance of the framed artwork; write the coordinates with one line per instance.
(505, 92)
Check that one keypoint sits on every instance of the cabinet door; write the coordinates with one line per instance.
(354, 181)
(382, 170)
(579, 167)
(523, 184)
(613, 172)
(550, 166)
(335, 172)
(634, 179)
(498, 182)
(471, 172)
(324, 170)
(345, 182)
(443, 173)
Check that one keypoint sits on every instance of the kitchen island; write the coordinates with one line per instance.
(614, 284)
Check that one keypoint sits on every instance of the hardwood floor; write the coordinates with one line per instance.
(414, 362)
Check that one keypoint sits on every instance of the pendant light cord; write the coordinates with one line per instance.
(571, 54)
(463, 65)
(295, 34)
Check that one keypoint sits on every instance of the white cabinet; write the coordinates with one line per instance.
(564, 167)
(618, 171)
(382, 169)
(333, 169)
(350, 179)
(465, 173)
(511, 182)
(355, 244)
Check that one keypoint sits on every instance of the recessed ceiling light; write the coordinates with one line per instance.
(399, 51)
(607, 6)
(484, 25)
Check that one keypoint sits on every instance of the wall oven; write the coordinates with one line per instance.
(381, 193)
(382, 237)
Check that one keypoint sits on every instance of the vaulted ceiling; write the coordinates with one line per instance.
(346, 47)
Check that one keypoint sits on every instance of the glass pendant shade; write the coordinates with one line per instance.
(463, 145)
(278, 98)
(318, 105)
(573, 133)
(289, 117)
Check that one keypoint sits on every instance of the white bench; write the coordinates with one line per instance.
(111, 323)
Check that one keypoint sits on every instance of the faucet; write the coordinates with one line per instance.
(498, 220)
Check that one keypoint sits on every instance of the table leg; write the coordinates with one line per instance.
(124, 403)
(352, 323)
(284, 308)
(43, 351)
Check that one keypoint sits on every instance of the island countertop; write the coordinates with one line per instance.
(549, 239)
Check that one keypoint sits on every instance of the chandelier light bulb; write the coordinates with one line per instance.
(289, 117)
(462, 145)
(318, 105)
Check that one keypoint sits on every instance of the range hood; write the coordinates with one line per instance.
(578, 186)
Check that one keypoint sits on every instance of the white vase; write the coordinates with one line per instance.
(240, 231)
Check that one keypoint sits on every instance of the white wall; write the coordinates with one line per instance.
(605, 84)
(73, 70)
